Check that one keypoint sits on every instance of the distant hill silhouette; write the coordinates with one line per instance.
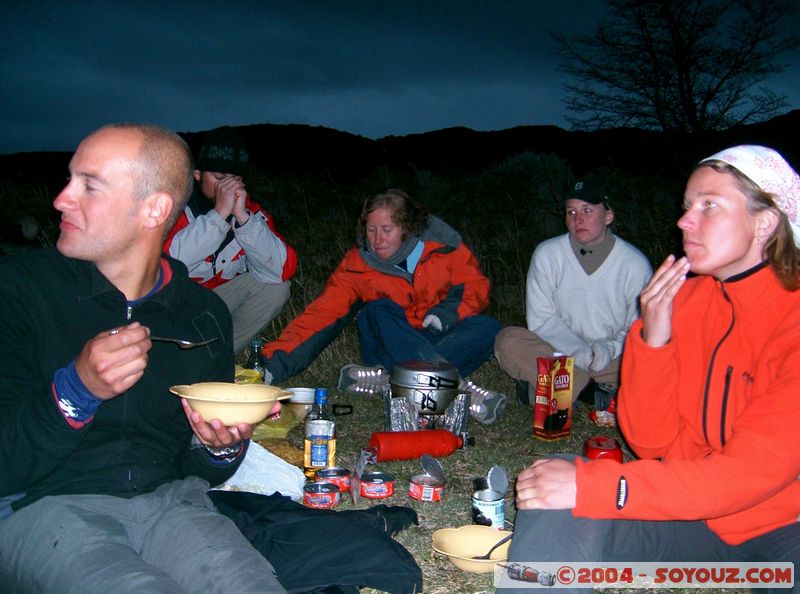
(344, 157)
(634, 151)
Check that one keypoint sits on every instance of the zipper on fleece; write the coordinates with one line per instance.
(711, 369)
(128, 316)
(728, 376)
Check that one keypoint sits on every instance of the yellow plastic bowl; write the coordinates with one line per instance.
(231, 403)
(461, 544)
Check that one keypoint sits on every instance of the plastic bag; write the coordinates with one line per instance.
(265, 473)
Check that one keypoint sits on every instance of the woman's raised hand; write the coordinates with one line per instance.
(657, 298)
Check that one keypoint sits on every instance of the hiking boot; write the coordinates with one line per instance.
(359, 379)
(523, 392)
(603, 395)
(485, 406)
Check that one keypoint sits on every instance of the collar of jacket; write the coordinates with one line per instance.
(437, 236)
(747, 289)
(747, 273)
(93, 285)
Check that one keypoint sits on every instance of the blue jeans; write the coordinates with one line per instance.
(386, 338)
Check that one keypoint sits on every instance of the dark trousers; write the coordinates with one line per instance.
(558, 536)
(386, 338)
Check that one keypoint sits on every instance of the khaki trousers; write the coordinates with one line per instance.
(252, 304)
(516, 350)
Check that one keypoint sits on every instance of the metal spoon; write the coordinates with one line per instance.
(497, 544)
(184, 344)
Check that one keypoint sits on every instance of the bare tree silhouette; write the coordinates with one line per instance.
(677, 65)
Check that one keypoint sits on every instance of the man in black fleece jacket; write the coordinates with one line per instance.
(104, 471)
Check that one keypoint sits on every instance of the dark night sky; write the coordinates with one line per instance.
(370, 68)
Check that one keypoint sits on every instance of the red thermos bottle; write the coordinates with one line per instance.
(407, 445)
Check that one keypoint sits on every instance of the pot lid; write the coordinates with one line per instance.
(425, 374)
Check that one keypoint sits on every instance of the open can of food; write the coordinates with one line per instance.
(429, 484)
(337, 475)
(321, 495)
(489, 509)
(377, 485)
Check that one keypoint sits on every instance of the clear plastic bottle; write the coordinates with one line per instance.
(256, 359)
(319, 444)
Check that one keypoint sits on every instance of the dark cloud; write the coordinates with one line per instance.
(373, 69)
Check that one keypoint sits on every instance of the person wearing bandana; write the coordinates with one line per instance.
(708, 400)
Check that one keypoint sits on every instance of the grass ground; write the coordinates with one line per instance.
(508, 442)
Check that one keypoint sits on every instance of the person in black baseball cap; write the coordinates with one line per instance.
(581, 295)
(589, 190)
(589, 219)
(229, 241)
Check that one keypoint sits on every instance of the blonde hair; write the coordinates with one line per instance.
(406, 214)
(782, 254)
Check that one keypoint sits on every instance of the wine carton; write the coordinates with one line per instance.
(552, 408)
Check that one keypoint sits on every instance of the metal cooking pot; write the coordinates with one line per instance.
(431, 387)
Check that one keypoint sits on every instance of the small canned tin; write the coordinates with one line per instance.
(321, 495)
(337, 475)
(429, 484)
(424, 487)
(601, 446)
(377, 485)
(489, 509)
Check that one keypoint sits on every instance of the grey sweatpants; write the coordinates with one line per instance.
(558, 536)
(170, 540)
(252, 304)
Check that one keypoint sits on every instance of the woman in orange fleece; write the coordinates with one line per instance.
(710, 396)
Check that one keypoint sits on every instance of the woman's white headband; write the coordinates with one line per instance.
(767, 169)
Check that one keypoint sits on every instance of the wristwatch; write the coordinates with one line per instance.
(226, 452)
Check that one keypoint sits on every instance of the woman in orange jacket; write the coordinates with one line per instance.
(418, 293)
(709, 398)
